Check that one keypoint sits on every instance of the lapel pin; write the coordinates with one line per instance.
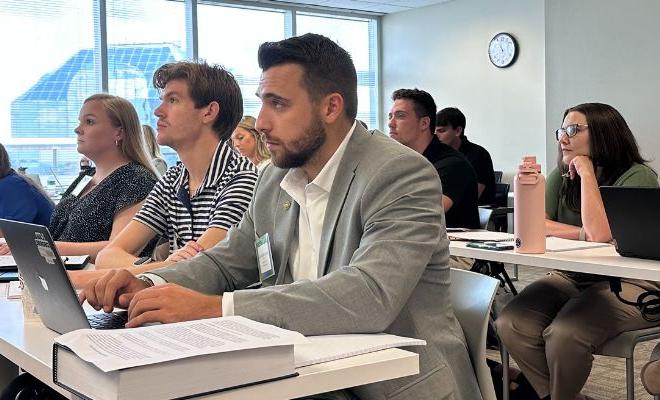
(286, 205)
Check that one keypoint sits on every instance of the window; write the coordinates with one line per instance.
(142, 36)
(55, 63)
(55, 66)
(358, 37)
(231, 36)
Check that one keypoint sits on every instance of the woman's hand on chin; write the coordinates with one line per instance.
(582, 166)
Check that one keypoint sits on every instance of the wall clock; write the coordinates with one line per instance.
(503, 50)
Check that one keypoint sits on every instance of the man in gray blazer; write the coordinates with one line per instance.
(352, 221)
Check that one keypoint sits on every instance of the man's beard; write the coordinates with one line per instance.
(303, 148)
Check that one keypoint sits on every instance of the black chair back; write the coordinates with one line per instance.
(502, 194)
(484, 217)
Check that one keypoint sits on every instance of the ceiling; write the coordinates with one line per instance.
(370, 6)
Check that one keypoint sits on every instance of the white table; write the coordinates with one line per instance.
(601, 260)
(29, 346)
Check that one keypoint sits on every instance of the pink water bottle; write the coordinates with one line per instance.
(529, 207)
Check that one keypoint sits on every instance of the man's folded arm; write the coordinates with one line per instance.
(219, 269)
(123, 249)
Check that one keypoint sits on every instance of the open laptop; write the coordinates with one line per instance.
(48, 282)
(634, 217)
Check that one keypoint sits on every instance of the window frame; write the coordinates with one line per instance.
(100, 33)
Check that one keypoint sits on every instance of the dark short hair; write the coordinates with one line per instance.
(450, 116)
(327, 67)
(423, 104)
(207, 83)
(5, 163)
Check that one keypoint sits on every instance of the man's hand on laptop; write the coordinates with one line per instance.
(165, 303)
(171, 303)
(116, 288)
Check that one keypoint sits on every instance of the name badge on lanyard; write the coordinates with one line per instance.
(81, 185)
(264, 257)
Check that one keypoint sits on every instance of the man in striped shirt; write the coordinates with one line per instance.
(198, 200)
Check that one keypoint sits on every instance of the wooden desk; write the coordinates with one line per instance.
(29, 345)
(601, 260)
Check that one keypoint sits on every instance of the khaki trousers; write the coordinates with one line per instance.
(461, 262)
(553, 327)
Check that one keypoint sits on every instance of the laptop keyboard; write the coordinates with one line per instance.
(115, 320)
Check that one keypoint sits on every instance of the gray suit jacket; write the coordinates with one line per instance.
(383, 264)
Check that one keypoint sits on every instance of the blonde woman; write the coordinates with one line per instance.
(247, 141)
(103, 199)
(153, 150)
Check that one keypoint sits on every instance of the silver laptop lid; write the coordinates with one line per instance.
(45, 275)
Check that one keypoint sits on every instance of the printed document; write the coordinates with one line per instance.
(555, 244)
(111, 350)
(334, 347)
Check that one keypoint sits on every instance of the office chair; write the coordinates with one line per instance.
(623, 346)
(484, 217)
(501, 200)
(501, 222)
(491, 268)
(472, 296)
(498, 176)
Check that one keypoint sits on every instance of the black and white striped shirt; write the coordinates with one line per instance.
(219, 202)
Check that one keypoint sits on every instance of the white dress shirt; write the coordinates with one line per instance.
(312, 198)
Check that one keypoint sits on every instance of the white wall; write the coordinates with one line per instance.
(606, 51)
(571, 52)
(443, 50)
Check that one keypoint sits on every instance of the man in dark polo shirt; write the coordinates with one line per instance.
(450, 129)
(412, 123)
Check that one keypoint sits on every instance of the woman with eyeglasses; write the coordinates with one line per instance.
(553, 326)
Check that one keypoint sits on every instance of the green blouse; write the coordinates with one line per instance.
(555, 207)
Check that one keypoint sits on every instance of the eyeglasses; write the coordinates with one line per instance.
(569, 131)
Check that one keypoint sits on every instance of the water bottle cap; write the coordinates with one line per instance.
(529, 165)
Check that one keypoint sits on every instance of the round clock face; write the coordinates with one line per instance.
(502, 50)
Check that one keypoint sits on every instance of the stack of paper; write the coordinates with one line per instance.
(555, 244)
(172, 360)
(196, 357)
(334, 347)
(482, 236)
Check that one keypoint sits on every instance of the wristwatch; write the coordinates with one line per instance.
(146, 280)
(142, 260)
